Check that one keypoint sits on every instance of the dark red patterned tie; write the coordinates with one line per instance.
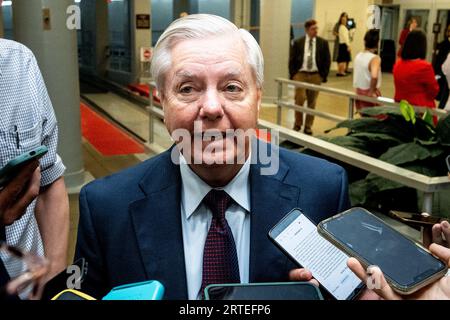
(220, 261)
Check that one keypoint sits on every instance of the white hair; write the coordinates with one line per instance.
(201, 26)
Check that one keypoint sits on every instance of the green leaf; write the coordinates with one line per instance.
(398, 128)
(427, 142)
(410, 152)
(377, 137)
(428, 118)
(382, 184)
(350, 142)
(443, 131)
(359, 191)
(407, 111)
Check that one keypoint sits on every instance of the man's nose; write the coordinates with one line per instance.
(212, 107)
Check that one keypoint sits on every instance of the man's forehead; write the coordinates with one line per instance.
(186, 73)
(218, 47)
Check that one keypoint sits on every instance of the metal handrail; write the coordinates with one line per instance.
(386, 170)
(353, 96)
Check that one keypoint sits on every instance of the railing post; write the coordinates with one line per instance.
(427, 205)
(279, 98)
(151, 137)
(351, 111)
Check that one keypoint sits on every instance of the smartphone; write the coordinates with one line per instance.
(296, 235)
(263, 291)
(74, 273)
(13, 167)
(406, 265)
(147, 290)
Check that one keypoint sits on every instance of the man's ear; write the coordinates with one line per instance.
(259, 100)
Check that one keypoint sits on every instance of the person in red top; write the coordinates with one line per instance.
(410, 26)
(414, 77)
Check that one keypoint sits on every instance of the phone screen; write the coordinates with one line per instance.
(289, 291)
(402, 260)
(298, 237)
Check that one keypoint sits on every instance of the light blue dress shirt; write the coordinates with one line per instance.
(196, 220)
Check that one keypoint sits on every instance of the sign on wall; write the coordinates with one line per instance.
(142, 21)
(146, 54)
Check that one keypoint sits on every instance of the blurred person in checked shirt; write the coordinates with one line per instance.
(27, 121)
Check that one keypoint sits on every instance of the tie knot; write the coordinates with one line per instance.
(217, 201)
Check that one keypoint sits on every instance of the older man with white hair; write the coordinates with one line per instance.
(199, 213)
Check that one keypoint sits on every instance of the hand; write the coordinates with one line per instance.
(441, 234)
(302, 274)
(439, 290)
(19, 193)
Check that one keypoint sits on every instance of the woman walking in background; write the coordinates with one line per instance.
(367, 70)
(344, 57)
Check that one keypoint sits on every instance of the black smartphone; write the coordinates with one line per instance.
(263, 291)
(406, 265)
(74, 273)
(13, 167)
(296, 235)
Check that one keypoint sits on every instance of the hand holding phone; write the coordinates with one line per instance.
(407, 266)
(438, 290)
(19, 184)
(296, 235)
(17, 195)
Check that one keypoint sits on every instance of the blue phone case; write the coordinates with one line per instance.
(147, 290)
(8, 172)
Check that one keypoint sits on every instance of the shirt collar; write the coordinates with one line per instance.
(313, 39)
(194, 189)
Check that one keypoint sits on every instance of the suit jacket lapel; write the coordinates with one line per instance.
(157, 223)
(271, 200)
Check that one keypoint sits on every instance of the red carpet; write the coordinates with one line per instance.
(105, 137)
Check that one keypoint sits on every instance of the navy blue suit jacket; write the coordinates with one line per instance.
(130, 222)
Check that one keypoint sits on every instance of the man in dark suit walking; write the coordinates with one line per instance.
(309, 62)
(190, 217)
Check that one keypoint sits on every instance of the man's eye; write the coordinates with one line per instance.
(186, 89)
(233, 88)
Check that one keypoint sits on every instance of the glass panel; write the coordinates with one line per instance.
(255, 13)
(7, 20)
(301, 11)
(86, 36)
(162, 16)
(119, 35)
